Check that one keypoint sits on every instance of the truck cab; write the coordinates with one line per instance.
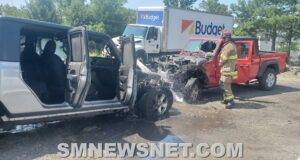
(147, 39)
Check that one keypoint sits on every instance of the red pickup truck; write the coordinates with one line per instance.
(197, 66)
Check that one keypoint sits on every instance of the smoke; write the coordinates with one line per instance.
(178, 96)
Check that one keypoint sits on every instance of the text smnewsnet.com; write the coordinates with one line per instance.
(150, 150)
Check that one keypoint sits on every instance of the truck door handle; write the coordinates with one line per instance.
(244, 65)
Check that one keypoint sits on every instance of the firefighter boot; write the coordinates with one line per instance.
(229, 104)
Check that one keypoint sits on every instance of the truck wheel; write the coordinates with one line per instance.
(156, 103)
(191, 91)
(268, 80)
(141, 55)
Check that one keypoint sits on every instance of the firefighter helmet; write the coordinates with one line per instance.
(226, 34)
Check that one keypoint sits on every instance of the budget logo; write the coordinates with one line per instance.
(149, 17)
(188, 24)
(193, 27)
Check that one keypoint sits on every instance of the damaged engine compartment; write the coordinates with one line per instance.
(148, 79)
(186, 72)
(154, 95)
(179, 69)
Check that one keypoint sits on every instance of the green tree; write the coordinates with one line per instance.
(283, 18)
(271, 18)
(43, 10)
(268, 18)
(244, 10)
(290, 23)
(108, 16)
(214, 6)
(75, 12)
(290, 30)
(99, 27)
(248, 29)
(130, 14)
(112, 13)
(287, 48)
(244, 15)
(61, 6)
(184, 4)
(6, 10)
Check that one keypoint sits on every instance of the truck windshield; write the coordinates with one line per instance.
(201, 46)
(137, 31)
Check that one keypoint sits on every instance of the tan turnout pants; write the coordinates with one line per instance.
(226, 86)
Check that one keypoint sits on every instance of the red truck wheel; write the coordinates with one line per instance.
(268, 80)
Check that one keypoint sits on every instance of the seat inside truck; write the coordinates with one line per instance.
(104, 70)
(44, 65)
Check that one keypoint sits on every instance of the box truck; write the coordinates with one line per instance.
(166, 30)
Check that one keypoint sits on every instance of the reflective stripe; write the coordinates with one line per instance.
(226, 98)
(230, 73)
(229, 57)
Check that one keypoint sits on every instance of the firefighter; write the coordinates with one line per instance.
(228, 63)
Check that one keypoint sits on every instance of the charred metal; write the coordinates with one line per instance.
(181, 68)
(148, 81)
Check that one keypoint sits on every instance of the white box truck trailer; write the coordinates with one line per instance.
(166, 30)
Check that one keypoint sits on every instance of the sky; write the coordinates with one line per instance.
(133, 4)
(136, 3)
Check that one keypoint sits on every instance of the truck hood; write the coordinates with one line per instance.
(180, 59)
(136, 40)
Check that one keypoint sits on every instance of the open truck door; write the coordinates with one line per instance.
(78, 70)
(128, 77)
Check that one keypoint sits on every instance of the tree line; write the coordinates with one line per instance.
(108, 16)
(270, 19)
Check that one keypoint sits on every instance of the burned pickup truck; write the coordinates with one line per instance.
(52, 72)
(197, 66)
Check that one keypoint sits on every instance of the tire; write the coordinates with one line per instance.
(141, 55)
(192, 91)
(268, 80)
(156, 103)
